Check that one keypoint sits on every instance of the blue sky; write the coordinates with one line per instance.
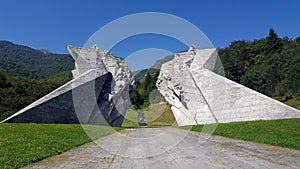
(53, 24)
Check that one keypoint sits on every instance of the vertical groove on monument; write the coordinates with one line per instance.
(193, 83)
(98, 94)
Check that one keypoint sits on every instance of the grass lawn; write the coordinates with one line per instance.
(22, 144)
(283, 133)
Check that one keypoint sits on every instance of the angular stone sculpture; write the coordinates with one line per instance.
(98, 94)
(198, 94)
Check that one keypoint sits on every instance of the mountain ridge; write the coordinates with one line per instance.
(20, 60)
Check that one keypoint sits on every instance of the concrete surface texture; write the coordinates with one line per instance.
(193, 83)
(156, 148)
(98, 94)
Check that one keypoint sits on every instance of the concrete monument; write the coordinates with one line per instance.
(98, 94)
(192, 84)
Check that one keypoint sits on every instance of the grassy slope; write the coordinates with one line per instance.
(284, 133)
(131, 118)
(159, 115)
(155, 115)
(293, 103)
(22, 144)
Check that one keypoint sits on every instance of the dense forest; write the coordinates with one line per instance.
(18, 92)
(270, 65)
(144, 85)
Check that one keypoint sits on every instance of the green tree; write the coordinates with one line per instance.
(140, 97)
(4, 82)
(274, 43)
(297, 39)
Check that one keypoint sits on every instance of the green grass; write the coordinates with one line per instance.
(293, 103)
(155, 115)
(22, 144)
(283, 133)
(160, 115)
(131, 118)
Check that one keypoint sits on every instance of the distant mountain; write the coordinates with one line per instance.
(18, 60)
(141, 74)
(45, 51)
(158, 63)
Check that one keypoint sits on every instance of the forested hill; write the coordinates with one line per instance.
(18, 60)
(269, 65)
(27, 74)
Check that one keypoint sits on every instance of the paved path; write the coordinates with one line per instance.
(159, 148)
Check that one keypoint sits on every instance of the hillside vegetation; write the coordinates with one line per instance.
(18, 92)
(147, 99)
(270, 65)
(27, 74)
(144, 85)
